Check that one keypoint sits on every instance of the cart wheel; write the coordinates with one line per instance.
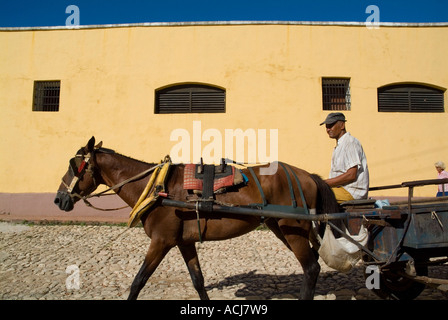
(393, 286)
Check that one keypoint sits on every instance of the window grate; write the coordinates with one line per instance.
(410, 98)
(336, 94)
(192, 98)
(46, 96)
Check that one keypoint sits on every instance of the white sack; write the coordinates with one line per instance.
(340, 254)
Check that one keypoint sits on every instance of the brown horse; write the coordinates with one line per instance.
(169, 227)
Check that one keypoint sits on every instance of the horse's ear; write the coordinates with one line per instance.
(90, 144)
(99, 145)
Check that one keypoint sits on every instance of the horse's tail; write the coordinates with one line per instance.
(326, 203)
(326, 200)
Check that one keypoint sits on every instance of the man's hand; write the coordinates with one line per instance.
(343, 179)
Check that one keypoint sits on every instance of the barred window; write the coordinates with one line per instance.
(336, 94)
(410, 98)
(190, 98)
(46, 95)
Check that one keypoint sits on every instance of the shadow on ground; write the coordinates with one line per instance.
(269, 286)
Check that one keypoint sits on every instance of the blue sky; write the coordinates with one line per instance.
(21, 13)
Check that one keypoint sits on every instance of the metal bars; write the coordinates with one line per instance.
(336, 94)
(46, 95)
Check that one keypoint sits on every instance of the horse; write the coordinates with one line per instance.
(169, 227)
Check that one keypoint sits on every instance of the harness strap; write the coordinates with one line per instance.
(283, 208)
(291, 190)
(119, 185)
(263, 198)
(207, 188)
(87, 203)
(302, 196)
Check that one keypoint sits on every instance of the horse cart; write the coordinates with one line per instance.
(402, 239)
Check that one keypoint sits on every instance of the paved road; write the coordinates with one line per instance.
(99, 262)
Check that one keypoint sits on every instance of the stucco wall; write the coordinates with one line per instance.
(272, 76)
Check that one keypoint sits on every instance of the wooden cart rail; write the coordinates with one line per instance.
(416, 183)
(411, 185)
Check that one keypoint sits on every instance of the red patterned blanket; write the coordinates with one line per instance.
(191, 182)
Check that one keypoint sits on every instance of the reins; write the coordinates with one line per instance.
(117, 186)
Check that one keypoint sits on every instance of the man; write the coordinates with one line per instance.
(349, 175)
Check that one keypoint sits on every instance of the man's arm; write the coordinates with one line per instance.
(343, 179)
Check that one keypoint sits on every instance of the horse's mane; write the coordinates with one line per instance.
(111, 151)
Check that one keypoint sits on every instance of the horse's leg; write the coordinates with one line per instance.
(155, 255)
(311, 270)
(191, 259)
(298, 241)
(272, 224)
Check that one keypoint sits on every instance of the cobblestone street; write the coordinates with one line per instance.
(99, 262)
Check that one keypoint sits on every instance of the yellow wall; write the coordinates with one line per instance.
(272, 76)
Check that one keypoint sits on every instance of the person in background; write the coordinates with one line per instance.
(442, 174)
(349, 174)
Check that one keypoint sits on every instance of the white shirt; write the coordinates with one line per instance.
(349, 153)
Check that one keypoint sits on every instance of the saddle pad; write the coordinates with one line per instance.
(193, 183)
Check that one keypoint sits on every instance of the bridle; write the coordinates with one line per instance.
(79, 166)
(82, 164)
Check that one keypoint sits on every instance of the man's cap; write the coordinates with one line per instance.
(333, 117)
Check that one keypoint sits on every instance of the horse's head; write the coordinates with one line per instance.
(79, 180)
